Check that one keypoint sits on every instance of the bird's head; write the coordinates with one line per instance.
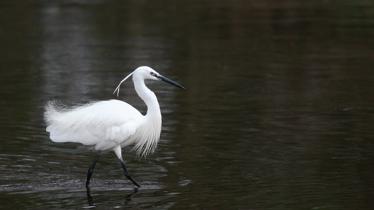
(147, 73)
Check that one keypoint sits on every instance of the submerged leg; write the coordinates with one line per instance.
(91, 170)
(89, 198)
(118, 152)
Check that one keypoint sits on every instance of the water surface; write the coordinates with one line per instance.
(278, 111)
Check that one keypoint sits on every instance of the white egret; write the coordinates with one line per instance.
(113, 124)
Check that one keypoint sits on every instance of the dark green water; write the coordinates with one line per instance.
(278, 111)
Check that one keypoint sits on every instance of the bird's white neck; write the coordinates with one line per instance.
(149, 132)
(149, 98)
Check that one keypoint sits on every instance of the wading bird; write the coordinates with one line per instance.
(113, 124)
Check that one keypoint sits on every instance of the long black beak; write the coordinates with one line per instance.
(167, 80)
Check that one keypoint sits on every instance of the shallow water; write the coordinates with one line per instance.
(278, 111)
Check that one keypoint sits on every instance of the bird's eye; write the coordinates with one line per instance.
(153, 74)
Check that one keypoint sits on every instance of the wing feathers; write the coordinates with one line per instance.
(103, 124)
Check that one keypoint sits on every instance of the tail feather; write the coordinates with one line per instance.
(50, 112)
(51, 116)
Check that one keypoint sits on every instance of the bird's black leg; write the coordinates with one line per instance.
(91, 170)
(127, 173)
(89, 198)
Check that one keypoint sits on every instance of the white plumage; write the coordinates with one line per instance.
(103, 124)
(112, 124)
(106, 125)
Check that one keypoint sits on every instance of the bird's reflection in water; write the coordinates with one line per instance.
(91, 203)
